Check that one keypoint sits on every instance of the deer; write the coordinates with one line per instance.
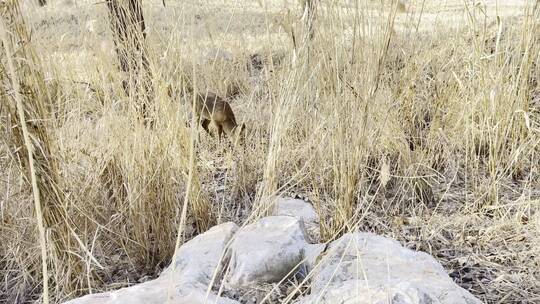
(210, 108)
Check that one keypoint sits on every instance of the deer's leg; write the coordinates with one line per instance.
(229, 127)
(220, 131)
(204, 124)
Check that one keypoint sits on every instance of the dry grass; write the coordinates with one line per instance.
(392, 121)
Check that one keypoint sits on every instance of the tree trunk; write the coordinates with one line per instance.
(129, 31)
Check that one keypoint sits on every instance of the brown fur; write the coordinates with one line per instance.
(211, 108)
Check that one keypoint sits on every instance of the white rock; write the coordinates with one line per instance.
(157, 291)
(311, 254)
(366, 268)
(266, 251)
(296, 208)
(197, 260)
(301, 210)
(195, 265)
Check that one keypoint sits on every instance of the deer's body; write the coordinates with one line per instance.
(211, 108)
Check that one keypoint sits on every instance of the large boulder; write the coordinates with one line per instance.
(157, 291)
(266, 251)
(311, 256)
(366, 268)
(198, 260)
(185, 281)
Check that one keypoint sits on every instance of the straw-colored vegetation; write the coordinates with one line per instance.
(415, 120)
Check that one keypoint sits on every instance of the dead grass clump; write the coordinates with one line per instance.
(28, 105)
